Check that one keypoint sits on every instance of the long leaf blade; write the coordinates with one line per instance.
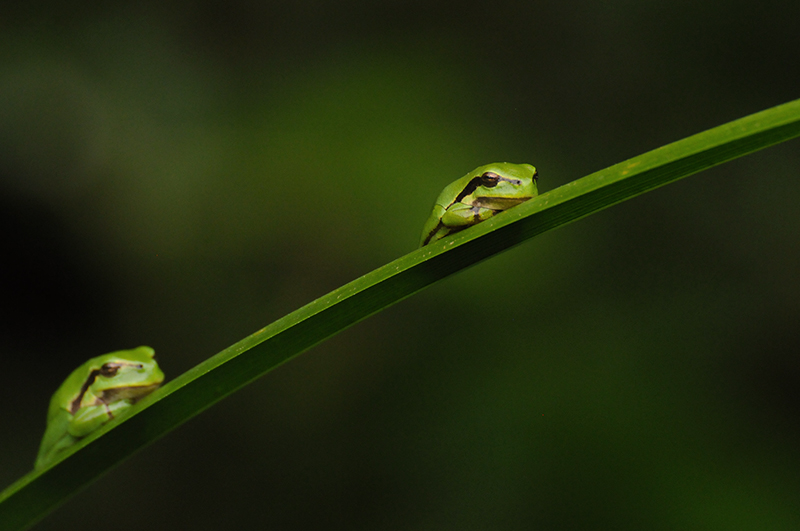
(39, 492)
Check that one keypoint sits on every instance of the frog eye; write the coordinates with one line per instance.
(490, 179)
(109, 369)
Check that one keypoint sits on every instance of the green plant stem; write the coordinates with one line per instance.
(39, 492)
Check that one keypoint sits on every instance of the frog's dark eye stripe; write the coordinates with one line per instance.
(468, 189)
(488, 179)
(110, 369)
(76, 404)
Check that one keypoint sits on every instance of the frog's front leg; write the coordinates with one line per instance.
(461, 215)
(87, 419)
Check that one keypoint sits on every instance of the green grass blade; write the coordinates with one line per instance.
(37, 493)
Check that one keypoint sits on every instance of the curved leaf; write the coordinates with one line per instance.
(34, 495)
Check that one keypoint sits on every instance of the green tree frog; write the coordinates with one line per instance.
(95, 393)
(477, 196)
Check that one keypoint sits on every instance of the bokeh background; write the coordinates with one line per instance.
(179, 174)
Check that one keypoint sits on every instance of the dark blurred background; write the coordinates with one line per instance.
(181, 174)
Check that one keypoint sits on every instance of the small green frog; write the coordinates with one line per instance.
(94, 393)
(477, 196)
